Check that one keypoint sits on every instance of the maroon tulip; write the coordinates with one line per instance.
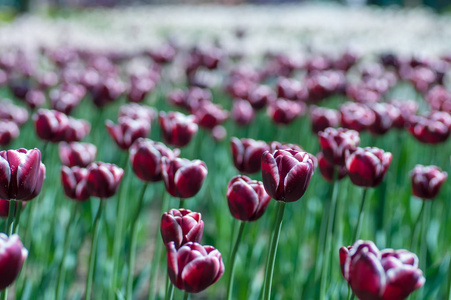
(323, 118)
(12, 112)
(4, 208)
(439, 98)
(77, 154)
(183, 178)
(286, 174)
(137, 111)
(431, 129)
(77, 130)
(427, 181)
(35, 98)
(242, 112)
(385, 114)
(335, 143)
(247, 198)
(51, 125)
(283, 111)
(139, 88)
(103, 179)
(145, 158)
(127, 131)
(247, 154)
(328, 169)
(367, 167)
(408, 109)
(210, 115)
(273, 146)
(260, 96)
(105, 90)
(288, 88)
(12, 257)
(75, 182)
(356, 116)
(380, 275)
(8, 132)
(177, 129)
(21, 174)
(67, 98)
(194, 267)
(181, 226)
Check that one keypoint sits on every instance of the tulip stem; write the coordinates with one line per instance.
(186, 296)
(134, 236)
(359, 220)
(417, 222)
(11, 212)
(18, 213)
(180, 202)
(170, 292)
(232, 260)
(272, 251)
(449, 278)
(94, 243)
(424, 246)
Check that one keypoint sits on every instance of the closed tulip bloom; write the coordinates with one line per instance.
(177, 129)
(182, 177)
(385, 114)
(35, 98)
(139, 88)
(323, 118)
(407, 108)
(327, 169)
(210, 115)
(380, 275)
(356, 116)
(77, 154)
(427, 181)
(273, 146)
(247, 198)
(181, 226)
(51, 125)
(247, 154)
(335, 143)
(77, 130)
(137, 111)
(367, 167)
(145, 158)
(8, 132)
(194, 267)
(286, 174)
(242, 112)
(103, 179)
(75, 182)
(431, 129)
(283, 111)
(10, 111)
(260, 96)
(12, 256)
(127, 131)
(21, 174)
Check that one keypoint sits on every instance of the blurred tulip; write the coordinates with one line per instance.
(242, 112)
(127, 131)
(439, 98)
(385, 114)
(273, 146)
(260, 96)
(335, 143)
(288, 88)
(74, 182)
(139, 88)
(51, 125)
(12, 258)
(323, 118)
(12, 112)
(145, 158)
(8, 132)
(103, 179)
(35, 98)
(427, 181)
(247, 199)
(4, 208)
(367, 167)
(194, 267)
(162, 55)
(67, 98)
(219, 133)
(210, 115)
(407, 108)
(327, 169)
(247, 154)
(431, 129)
(181, 226)
(286, 174)
(77, 130)
(283, 111)
(356, 116)
(106, 90)
(137, 111)
(177, 129)
(77, 154)
(183, 178)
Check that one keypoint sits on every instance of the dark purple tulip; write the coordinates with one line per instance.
(183, 178)
(77, 154)
(273, 146)
(240, 87)
(336, 142)
(35, 98)
(103, 179)
(139, 88)
(51, 125)
(356, 116)
(75, 183)
(177, 128)
(247, 198)
(12, 112)
(247, 154)
(127, 131)
(427, 181)
(77, 130)
(367, 167)
(21, 174)
(242, 112)
(323, 84)
(8, 132)
(106, 90)
(260, 96)
(210, 115)
(286, 174)
(145, 158)
(194, 267)
(385, 114)
(323, 118)
(439, 98)
(431, 129)
(12, 257)
(288, 88)
(408, 109)
(137, 111)
(4, 207)
(181, 226)
(327, 169)
(360, 93)
(162, 55)
(283, 111)
(67, 98)
(380, 275)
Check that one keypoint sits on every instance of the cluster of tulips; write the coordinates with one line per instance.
(287, 88)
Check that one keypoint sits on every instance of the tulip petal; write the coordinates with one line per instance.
(200, 273)
(297, 181)
(270, 174)
(242, 200)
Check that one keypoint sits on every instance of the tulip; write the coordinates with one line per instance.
(137, 111)
(51, 125)
(35, 98)
(356, 116)
(427, 181)
(431, 129)
(77, 154)
(210, 115)
(12, 257)
(247, 199)
(8, 132)
(181, 226)
(273, 146)
(194, 267)
(67, 98)
(408, 109)
(247, 154)
(145, 158)
(139, 88)
(327, 169)
(380, 275)
(323, 118)
(183, 178)
(335, 143)
(127, 131)
(106, 90)
(385, 115)
(260, 96)
(77, 130)
(288, 88)
(177, 129)
(75, 182)
(219, 133)
(103, 179)
(283, 111)
(4, 208)
(242, 112)
(12, 112)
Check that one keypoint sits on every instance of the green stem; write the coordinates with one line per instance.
(417, 222)
(186, 296)
(232, 260)
(449, 278)
(272, 251)
(181, 203)
(423, 248)
(94, 243)
(11, 212)
(359, 220)
(18, 214)
(170, 292)
(134, 236)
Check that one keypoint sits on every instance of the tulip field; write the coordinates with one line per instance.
(200, 167)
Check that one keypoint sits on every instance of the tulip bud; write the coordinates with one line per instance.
(260, 96)
(8, 132)
(431, 129)
(145, 158)
(77, 130)
(247, 154)
(177, 129)
(247, 198)
(283, 111)
(183, 178)
(356, 116)
(385, 115)
(137, 112)
(181, 226)
(21, 174)
(327, 169)
(367, 167)
(139, 88)
(51, 125)
(427, 181)
(323, 118)
(77, 154)
(103, 179)
(335, 143)
(74, 182)
(242, 112)
(12, 112)
(127, 131)
(407, 108)
(12, 256)
(210, 115)
(286, 174)
(194, 267)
